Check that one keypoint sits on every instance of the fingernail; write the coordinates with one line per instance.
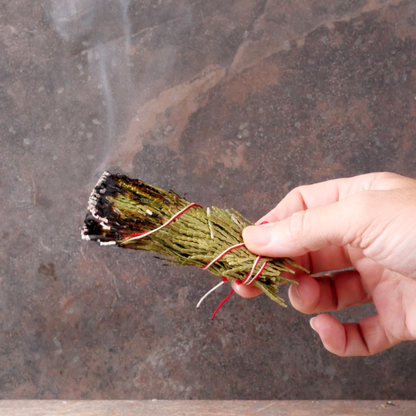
(257, 235)
(311, 323)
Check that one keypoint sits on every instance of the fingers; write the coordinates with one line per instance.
(300, 233)
(349, 340)
(323, 294)
(335, 212)
(304, 197)
(329, 258)
(365, 338)
(328, 192)
(337, 224)
(246, 291)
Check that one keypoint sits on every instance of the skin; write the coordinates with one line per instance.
(367, 223)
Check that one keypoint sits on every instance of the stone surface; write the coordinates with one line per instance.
(233, 103)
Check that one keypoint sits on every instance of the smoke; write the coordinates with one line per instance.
(101, 29)
(72, 18)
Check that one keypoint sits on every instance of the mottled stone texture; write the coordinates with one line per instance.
(233, 103)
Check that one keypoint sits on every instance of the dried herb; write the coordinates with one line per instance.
(120, 209)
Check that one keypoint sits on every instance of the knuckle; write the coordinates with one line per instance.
(296, 225)
(366, 206)
(388, 175)
(364, 202)
(391, 180)
(297, 194)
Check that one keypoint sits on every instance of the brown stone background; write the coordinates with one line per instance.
(233, 103)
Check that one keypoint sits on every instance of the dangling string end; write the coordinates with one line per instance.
(208, 293)
(248, 280)
(222, 303)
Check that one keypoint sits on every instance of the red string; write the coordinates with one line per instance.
(224, 279)
(221, 304)
(249, 274)
(259, 273)
(237, 281)
(132, 235)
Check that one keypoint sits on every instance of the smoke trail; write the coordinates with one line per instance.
(72, 18)
(83, 23)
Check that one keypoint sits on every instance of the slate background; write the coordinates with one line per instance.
(233, 103)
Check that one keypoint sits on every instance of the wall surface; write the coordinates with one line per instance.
(233, 103)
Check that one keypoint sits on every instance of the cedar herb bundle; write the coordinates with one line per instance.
(120, 208)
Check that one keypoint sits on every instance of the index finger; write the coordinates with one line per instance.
(328, 192)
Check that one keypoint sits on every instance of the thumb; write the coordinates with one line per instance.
(338, 224)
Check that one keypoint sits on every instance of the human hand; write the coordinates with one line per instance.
(367, 222)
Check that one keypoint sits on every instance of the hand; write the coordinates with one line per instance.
(367, 222)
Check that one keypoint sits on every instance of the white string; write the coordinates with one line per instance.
(209, 223)
(138, 237)
(256, 262)
(257, 275)
(221, 255)
(247, 281)
(206, 294)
